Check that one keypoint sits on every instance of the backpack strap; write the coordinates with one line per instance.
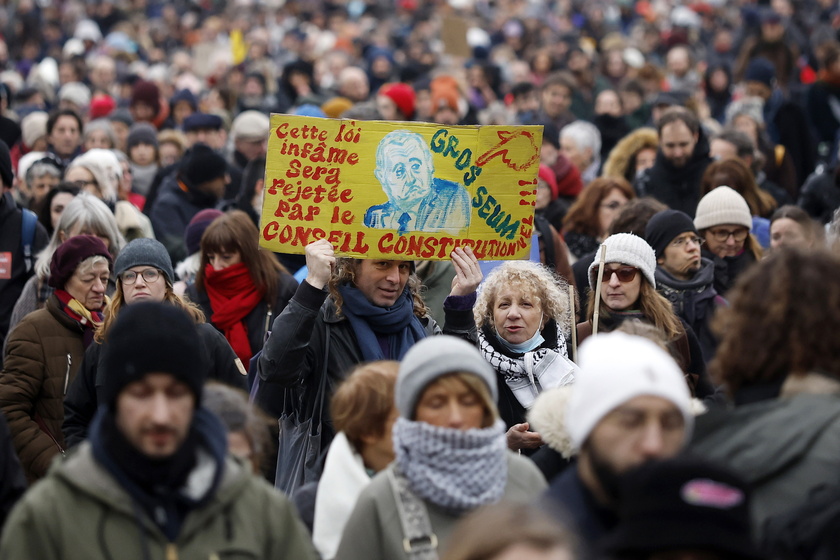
(419, 542)
(29, 220)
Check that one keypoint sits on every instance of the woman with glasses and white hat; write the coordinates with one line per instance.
(627, 291)
(144, 273)
(724, 220)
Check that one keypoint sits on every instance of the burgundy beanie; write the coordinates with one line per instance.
(402, 95)
(146, 92)
(195, 229)
(547, 175)
(69, 254)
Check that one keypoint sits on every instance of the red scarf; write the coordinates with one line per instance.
(74, 309)
(232, 296)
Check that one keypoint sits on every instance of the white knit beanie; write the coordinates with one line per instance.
(629, 249)
(618, 367)
(720, 206)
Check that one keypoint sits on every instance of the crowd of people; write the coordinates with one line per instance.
(658, 381)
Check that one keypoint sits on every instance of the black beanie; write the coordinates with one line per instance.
(200, 165)
(152, 337)
(664, 227)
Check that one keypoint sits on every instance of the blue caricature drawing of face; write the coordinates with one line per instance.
(417, 200)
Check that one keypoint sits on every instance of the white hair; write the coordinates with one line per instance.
(585, 135)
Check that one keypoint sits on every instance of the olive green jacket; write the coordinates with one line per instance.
(80, 512)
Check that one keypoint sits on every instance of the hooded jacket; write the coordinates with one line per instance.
(677, 187)
(783, 448)
(81, 512)
(625, 151)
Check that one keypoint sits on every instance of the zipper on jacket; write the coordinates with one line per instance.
(267, 326)
(67, 373)
(171, 551)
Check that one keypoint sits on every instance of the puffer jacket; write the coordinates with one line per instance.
(43, 354)
(80, 512)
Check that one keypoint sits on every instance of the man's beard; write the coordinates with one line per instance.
(606, 474)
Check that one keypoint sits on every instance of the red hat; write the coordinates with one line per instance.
(547, 175)
(402, 95)
(569, 182)
(101, 106)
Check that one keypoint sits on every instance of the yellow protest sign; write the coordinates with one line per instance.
(400, 190)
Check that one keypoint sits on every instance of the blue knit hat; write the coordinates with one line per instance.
(760, 70)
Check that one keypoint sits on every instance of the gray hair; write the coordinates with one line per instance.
(88, 213)
(753, 107)
(105, 168)
(42, 167)
(585, 135)
(103, 125)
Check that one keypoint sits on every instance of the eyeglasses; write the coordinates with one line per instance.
(625, 274)
(680, 241)
(614, 205)
(721, 235)
(82, 184)
(150, 276)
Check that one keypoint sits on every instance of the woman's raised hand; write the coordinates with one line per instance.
(467, 272)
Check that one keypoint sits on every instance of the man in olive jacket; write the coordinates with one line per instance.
(155, 479)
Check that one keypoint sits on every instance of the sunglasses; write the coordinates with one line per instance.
(625, 274)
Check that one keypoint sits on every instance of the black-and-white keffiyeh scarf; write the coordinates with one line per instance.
(457, 470)
(528, 374)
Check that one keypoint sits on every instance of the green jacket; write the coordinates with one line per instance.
(79, 512)
(374, 531)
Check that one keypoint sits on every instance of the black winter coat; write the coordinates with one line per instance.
(679, 188)
(85, 392)
(295, 355)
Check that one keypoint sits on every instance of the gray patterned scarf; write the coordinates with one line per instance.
(457, 470)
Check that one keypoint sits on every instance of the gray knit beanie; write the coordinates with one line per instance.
(629, 249)
(720, 206)
(149, 252)
(434, 357)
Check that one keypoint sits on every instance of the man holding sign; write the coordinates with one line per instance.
(370, 310)
(417, 200)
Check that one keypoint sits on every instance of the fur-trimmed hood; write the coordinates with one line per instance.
(548, 417)
(620, 156)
